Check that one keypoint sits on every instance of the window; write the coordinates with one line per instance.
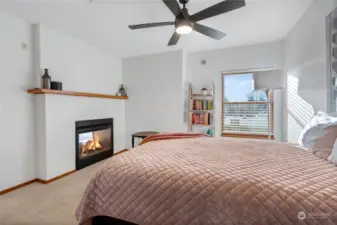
(246, 112)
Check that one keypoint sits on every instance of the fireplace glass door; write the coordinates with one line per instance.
(94, 141)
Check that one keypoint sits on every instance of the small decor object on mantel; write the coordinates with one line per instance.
(122, 91)
(55, 85)
(45, 80)
(204, 91)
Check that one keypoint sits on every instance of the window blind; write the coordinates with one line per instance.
(248, 111)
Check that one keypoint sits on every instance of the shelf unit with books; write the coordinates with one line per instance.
(201, 111)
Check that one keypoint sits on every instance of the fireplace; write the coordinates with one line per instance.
(94, 141)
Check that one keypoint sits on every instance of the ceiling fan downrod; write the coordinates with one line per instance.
(184, 2)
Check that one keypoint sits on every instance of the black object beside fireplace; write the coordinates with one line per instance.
(94, 141)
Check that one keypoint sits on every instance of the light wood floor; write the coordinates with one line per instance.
(46, 204)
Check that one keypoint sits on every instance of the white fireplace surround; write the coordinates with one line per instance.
(55, 120)
(80, 67)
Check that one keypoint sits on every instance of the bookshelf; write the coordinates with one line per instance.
(201, 111)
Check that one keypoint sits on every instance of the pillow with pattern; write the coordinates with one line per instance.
(323, 145)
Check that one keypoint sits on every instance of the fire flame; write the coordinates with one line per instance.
(91, 145)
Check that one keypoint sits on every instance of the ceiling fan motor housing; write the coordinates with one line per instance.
(183, 15)
(183, 22)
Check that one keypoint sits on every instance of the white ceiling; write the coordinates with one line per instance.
(104, 23)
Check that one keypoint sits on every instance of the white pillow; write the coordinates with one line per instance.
(333, 157)
(315, 128)
(333, 114)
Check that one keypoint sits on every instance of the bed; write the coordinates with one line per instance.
(212, 181)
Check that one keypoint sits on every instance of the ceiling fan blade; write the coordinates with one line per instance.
(210, 32)
(149, 25)
(174, 39)
(217, 9)
(173, 6)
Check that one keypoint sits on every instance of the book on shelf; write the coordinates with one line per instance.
(204, 104)
(202, 118)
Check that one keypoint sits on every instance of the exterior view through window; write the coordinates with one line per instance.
(246, 111)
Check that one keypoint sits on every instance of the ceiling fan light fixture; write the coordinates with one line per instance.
(184, 29)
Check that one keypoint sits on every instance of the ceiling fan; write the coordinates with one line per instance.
(185, 23)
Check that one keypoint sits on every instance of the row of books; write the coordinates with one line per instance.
(202, 118)
(202, 104)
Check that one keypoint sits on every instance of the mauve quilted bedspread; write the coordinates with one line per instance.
(213, 181)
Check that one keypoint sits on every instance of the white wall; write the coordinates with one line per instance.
(17, 158)
(155, 86)
(305, 67)
(80, 67)
(269, 79)
(260, 56)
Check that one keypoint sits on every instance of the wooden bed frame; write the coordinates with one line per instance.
(105, 220)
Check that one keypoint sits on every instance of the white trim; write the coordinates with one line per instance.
(251, 70)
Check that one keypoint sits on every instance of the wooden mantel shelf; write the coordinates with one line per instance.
(38, 91)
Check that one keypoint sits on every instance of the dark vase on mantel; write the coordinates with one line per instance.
(122, 90)
(45, 80)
